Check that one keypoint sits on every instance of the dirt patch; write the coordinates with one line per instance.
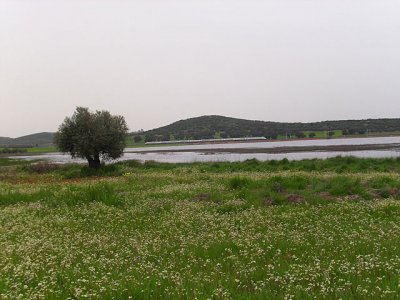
(353, 198)
(295, 199)
(394, 192)
(202, 198)
(290, 199)
(326, 196)
(268, 201)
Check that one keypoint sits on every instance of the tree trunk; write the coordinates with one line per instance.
(94, 162)
(97, 161)
(90, 162)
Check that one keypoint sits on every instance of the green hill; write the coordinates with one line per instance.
(207, 127)
(43, 139)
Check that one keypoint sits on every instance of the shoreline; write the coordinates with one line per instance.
(240, 150)
(278, 150)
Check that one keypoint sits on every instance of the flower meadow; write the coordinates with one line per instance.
(200, 231)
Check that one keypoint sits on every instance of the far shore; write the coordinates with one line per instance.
(277, 150)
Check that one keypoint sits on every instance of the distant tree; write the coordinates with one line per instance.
(362, 131)
(92, 136)
(217, 135)
(223, 135)
(350, 131)
(311, 135)
(272, 136)
(159, 137)
(300, 135)
(149, 138)
(137, 138)
(331, 133)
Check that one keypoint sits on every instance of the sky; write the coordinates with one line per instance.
(159, 61)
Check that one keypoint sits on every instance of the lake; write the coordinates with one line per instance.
(191, 155)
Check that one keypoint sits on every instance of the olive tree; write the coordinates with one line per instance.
(93, 136)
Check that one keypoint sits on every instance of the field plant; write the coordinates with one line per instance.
(317, 229)
(42, 149)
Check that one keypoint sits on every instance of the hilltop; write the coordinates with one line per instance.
(213, 126)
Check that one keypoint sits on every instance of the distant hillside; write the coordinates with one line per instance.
(43, 139)
(5, 140)
(206, 127)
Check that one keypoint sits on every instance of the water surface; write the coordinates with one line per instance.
(147, 153)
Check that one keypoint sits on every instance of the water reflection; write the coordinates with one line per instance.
(278, 144)
(181, 157)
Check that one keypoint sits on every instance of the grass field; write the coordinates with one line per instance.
(324, 134)
(317, 229)
(42, 149)
(36, 149)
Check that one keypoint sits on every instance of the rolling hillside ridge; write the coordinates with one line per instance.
(207, 127)
(213, 126)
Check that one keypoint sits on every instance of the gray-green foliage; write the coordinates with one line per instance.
(93, 136)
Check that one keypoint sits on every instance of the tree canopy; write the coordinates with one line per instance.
(93, 136)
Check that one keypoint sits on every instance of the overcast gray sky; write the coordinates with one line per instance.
(159, 61)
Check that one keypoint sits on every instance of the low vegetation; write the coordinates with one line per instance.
(324, 229)
(12, 150)
(42, 149)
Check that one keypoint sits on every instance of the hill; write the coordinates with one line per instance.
(43, 139)
(5, 140)
(207, 127)
(213, 126)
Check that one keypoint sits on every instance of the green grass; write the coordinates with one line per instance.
(42, 149)
(324, 229)
(4, 162)
(337, 165)
(324, 134)
(143, 144)
(39, 149)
